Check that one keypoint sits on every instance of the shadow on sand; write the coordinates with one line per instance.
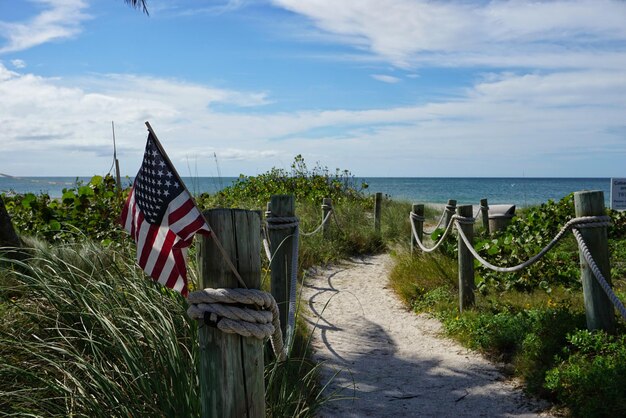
(375, 374)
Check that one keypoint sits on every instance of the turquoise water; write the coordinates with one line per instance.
(519, 191)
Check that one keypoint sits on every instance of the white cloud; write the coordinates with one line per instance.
(409, 33)
(507, 122)
(18, 64)
(386, 78)
(59, 19)
(199, 7)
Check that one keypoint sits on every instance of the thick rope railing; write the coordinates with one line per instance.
(448, 209)
(480, 209)
(581, 222)
(574, 225)
(246, 312)
(319, 228)
(415, 216)
(598, 274)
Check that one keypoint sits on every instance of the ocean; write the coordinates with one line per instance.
(522, 191)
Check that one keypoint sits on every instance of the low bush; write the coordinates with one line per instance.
(305, 184)
(85, 211)
(589, 374)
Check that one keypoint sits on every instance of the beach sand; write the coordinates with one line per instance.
(387, 361)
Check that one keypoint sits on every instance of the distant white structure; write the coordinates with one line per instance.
(618, 194)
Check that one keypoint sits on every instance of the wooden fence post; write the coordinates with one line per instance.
(419, 225)
(327, 206)
(466, 259)
(281, 246)
(377, 204)
(231, 366)
(484, 210)
(450, 208)
(598, 307)
(8, 236)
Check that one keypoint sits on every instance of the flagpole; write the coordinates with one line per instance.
(212, 233)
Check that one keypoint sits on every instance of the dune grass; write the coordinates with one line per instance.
(84, 333)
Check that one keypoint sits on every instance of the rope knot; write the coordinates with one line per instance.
(416, 217)
(281, 222)
(246, 312)
(450, 208)
(589, 222)
(464, 220)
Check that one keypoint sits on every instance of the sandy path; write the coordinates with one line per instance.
(392, 362)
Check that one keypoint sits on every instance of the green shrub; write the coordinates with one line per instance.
(525, 237)
(88, 210)
(589, 375)
(305, 184)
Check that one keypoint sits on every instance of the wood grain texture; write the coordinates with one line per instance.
(231, 366)
(598, 308)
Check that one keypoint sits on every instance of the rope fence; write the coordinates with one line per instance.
(447, 212)
(257, 314)
(292, 223)
(575, 225)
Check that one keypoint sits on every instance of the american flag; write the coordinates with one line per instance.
(162, 218)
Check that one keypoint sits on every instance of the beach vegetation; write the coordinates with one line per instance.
(533, 321)
(88, 322)
(83, 332)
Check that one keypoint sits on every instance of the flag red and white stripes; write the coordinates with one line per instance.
(162, 218)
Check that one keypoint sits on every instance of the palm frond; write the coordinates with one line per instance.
(138, 4)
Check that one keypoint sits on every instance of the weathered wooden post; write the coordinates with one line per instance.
(231, 366)
(450, 208)
(327, 206)
(8, 237)
(418, 222)
(281, 246)
(466, 260)
(598, 307)
(377, 206)
(484, 211)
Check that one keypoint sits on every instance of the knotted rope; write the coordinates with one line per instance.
(246, 312)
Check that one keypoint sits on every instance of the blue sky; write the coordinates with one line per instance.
(379, 87)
